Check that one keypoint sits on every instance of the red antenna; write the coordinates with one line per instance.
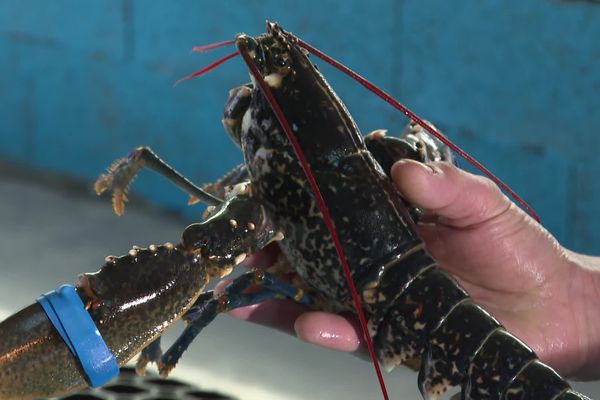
(211, 46)
(210, 67)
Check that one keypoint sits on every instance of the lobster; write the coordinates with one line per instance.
(416, 314)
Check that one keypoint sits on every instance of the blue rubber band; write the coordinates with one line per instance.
(75, 325)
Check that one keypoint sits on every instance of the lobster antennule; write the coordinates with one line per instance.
(207, 69)
(389, 99)
(211, 46)
(324, 210)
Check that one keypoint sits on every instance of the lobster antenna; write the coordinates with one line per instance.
(389, 99)
(208, 47)
(324, 210)
(207, 69)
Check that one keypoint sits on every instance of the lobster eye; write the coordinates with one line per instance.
(260, 55)
(251, 44)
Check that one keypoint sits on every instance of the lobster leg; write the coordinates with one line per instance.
(122, 172)
(235, 108)
(152, 352)
(233, 230)
(219, 188)
(206, 309)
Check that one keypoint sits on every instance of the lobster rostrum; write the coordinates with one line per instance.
(416, 313)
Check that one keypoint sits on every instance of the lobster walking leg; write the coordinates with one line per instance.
(153, 352)
(219, 188)
(205, 310)
(124, 170)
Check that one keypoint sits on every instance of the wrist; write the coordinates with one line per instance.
(585, 294)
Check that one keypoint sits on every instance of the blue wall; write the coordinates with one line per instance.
(517, 84)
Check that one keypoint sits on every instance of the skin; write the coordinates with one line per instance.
(543, 293)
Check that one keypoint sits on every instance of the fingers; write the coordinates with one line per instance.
(323, 329)
(329, 330)
(277, 314)
(459, 198)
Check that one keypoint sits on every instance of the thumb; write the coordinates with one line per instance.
(460, 199)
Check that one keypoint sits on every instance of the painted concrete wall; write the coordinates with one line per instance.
(515, 83)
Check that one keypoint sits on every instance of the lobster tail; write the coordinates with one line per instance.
(415, 314)
(452, 345)
(433, 322)
(537, 381)
(496, 363)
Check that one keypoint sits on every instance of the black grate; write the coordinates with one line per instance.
(129, 386)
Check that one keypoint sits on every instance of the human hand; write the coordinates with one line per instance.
(509, 264)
